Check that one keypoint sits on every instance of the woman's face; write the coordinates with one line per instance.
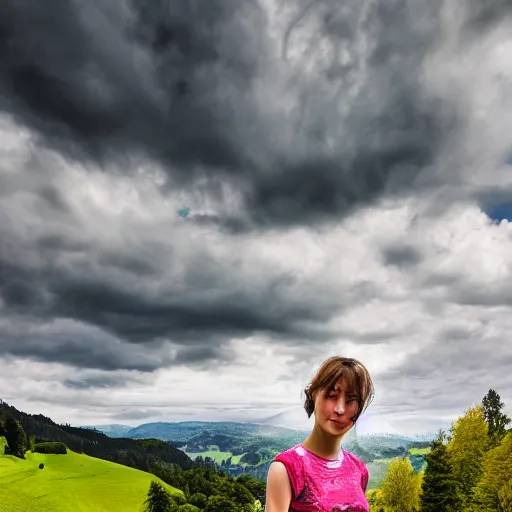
(334, 409)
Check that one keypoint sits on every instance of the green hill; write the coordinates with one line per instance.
(137, 453)
(72, 482)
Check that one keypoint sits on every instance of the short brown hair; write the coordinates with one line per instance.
(331, 372)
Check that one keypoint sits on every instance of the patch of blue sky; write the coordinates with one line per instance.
(499, 212)
(184, 212)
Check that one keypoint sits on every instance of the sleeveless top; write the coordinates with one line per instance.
(325, 485)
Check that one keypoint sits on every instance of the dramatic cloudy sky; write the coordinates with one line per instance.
(345, 167)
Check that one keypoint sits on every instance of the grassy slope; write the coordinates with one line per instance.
(217, 456)
(419, 451)
(377, 470)
(71, 482)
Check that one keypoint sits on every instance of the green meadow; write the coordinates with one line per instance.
(217, 456)
(419, 451)
(377, 471)
(72, 482)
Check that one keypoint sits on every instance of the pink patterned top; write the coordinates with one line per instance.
(325, 485)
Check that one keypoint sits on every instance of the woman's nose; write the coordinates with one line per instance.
(340, 407)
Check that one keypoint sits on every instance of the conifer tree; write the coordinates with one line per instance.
(440, 490)
(158, 500)
(16, 438)
(496, 420)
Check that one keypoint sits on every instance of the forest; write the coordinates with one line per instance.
(468, 469)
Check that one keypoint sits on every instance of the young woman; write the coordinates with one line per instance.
(318, 474)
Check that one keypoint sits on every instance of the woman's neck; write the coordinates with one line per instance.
(323, 444)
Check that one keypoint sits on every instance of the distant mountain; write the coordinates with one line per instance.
(113, 430)
(182, 432)
(370, 439)
(260, 442)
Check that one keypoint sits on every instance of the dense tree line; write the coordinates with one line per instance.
(135, 453)
(205, 488)
(468, 469)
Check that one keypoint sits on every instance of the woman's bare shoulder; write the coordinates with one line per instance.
(279, 491)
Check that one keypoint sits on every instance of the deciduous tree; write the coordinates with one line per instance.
(497, 470)
(468, 445)
(401, 487)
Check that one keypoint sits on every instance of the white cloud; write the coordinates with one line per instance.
(416, 285)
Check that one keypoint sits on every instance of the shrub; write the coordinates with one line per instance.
(198, 500)
(52, 448)
(219, 503)
(187, 507)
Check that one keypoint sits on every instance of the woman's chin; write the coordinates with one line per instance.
(338, 429)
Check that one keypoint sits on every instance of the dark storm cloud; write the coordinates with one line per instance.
(83, 347)
(484, 14)
(130, 300)
(401, 255)
(103, 77)
(176, 81)
(102, 381)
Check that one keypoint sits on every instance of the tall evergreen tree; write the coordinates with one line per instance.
(467, 447)
(440, 490)
(158, 500)
(16, 438)
(2, 425)
(495, 418)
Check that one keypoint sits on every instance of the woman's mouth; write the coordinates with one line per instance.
(338, 424)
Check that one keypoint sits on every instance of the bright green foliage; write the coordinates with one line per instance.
(469, 443)
(187, 507)
(497, 469)
(255, 486)
(505, 497)
(375, 500)
(158, 500)
(16, 438)
(72, 482)
(401, 488)
(496, 420)
(258, 507)
(439, 485)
